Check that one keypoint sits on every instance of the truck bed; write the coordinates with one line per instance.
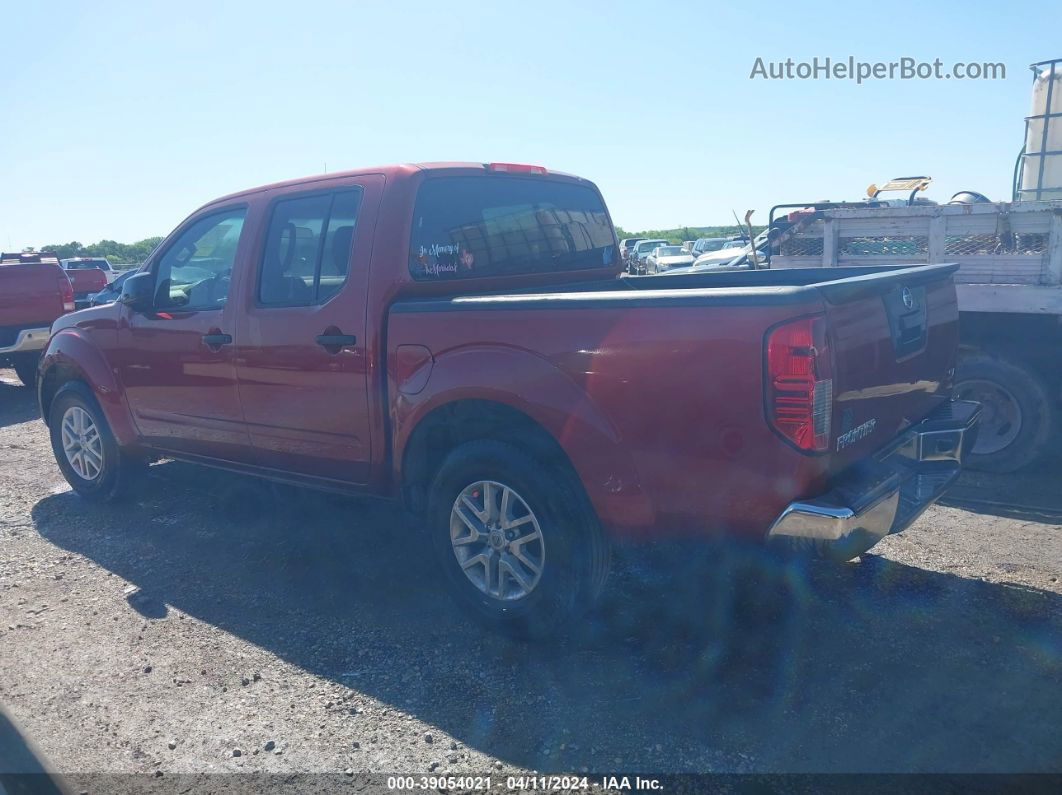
(674, 367)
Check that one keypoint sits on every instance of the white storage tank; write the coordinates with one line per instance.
(1041, 175)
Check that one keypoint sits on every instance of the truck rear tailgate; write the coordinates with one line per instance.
(30, 297)
(893, 339)
(86, 280)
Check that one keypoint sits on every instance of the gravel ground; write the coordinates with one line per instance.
(214, 625)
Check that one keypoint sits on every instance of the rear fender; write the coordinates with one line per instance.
(70, 355)
(532, 385)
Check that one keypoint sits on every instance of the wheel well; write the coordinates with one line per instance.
(50, 383)
(453, 424)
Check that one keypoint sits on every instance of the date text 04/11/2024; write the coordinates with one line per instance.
(563, 783)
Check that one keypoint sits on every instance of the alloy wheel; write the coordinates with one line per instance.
(497, 540)
(82, 443)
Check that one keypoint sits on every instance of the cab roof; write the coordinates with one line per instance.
(394, 171)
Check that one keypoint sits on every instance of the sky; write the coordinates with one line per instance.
(119, 119)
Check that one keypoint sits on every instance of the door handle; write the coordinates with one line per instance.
(216, 339)
(333, 342)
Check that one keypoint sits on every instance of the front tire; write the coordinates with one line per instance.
(1017, 417)
(518, 542)
(85, 449)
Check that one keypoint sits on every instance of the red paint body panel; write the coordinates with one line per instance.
(653, 388)
(872, 382)
(182, 393)
(29, 295)
(86, 280)
(662, 421)
(85, 346)
(307, 408)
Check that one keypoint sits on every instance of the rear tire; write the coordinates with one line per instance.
(491, 570)
(85, 449)
(25, 366)
(1017, 417)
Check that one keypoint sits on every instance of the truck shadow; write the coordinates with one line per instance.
(727, 660)
(17, 403)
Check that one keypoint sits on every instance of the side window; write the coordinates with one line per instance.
(195, 272)
(307, 248)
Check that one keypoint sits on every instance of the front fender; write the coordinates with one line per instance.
(71, 355)
(530, 384)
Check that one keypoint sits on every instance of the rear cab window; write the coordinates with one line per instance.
(88, 264)
(465, 227)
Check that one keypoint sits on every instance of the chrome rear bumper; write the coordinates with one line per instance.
(885, 493)
(29, 339)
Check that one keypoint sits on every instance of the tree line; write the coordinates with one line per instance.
(117, 253)
(683, 233)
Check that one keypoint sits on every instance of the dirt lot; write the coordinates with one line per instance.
(189, 631)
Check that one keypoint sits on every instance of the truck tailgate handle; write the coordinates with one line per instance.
(334, 342)
(216, 339)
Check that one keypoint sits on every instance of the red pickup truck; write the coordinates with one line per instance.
(87, 276)
(34, 291)
(458, 337)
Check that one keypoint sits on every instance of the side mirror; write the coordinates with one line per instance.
(138, 292)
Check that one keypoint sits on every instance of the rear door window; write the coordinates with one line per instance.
(466, 227)
(307, 248)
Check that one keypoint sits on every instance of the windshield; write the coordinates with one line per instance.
(711, 245)
(670, 251)
(648, 245)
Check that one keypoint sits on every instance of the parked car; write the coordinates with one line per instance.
(705, 244)
(736, 252)
(34, 291)
(641, 253)
(432, 335)
(85, 279)
(88, 263)
(111, 291)
(663, 258)
(627, 245)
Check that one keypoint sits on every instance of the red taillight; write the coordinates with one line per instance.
(800, 382)
(66, 293)
(516, 168)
